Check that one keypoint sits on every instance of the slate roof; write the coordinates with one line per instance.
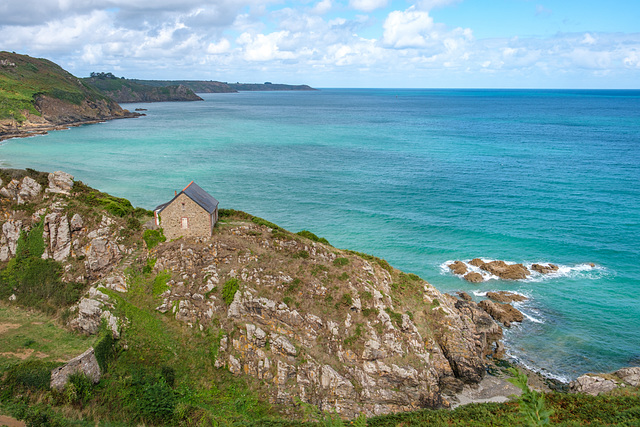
(198, 195)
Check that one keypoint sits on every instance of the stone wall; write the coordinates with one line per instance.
(199, 221)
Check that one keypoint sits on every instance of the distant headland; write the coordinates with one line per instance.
(37, 95)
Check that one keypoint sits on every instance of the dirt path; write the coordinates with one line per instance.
(11, 422)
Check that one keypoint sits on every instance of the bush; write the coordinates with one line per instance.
(157, 402)
(105, 350)
(153, 237)
(301, 254)
(340, 262)
(265, 223)
(309, 235)
(229, 290)
(31, 374)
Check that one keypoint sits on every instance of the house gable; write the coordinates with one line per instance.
(191, 213)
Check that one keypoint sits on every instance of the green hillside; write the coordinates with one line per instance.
(126, 90)
(23, 79)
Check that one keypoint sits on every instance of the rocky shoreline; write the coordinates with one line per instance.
(34, 128)
(343, 331)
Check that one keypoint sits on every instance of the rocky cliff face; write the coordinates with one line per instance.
(337, 329)
(38, 96)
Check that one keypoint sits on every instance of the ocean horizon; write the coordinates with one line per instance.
(419, 177)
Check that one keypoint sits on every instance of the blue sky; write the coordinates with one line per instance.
(338, 43)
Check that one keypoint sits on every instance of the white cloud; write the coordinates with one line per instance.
(223, 46)
(367, 5)
(408, 29)
(322, 7)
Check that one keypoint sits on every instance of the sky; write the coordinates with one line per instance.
(338, 43)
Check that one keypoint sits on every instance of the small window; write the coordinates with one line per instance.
(184, 208)
(185, 223)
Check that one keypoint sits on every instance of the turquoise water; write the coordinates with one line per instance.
(418, 177)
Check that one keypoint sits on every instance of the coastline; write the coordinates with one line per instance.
(35, 129)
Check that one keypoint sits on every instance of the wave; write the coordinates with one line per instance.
(583, 270)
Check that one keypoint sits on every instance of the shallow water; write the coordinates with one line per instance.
(418, 177)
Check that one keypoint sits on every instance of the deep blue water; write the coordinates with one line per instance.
(418, 177)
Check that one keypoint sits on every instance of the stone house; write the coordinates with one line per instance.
(191, 213)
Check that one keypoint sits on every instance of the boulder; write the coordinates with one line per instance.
(474, 277)
(86, 363)
(592, 384)
(506, 297)
(464, 296)
(476, 262)
(76, 222)
(503, 313)
(60, 182)
(29, 188)
(9, 239)
(544, 269)
(630, 376)
(10, 191)
(459, 268)
(506, 271)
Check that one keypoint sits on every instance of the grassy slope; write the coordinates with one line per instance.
(166, 374)
(20, 84)
(113, 86)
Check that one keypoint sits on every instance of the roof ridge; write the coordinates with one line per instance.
(187, 185)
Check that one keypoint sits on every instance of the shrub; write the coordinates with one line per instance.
(340, 262)
(301, 254)
(105, 350)
(229, 290)
(153, 237)
(160, 283)
(265, 223)
(309, 235)
(79, 389)
(396, 317)
(532, 405)
(31, 374)
(157, 402)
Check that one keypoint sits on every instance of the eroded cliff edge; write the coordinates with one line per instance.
(334, 328)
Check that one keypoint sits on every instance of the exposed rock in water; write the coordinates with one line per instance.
(503, 313)
(86, 364)
(506, 271)
(464, 296)
(476, 262)
(458, 267)
(544, 269)
(474, 277)
(506, 297)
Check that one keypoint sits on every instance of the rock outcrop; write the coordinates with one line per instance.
(86, 364)
(595, 384)
(544, 269)
(506, 297)
(503, 313)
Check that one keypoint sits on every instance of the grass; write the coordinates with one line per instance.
(30, 332)
(21, 84)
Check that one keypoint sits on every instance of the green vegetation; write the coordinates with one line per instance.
(229, 290)
(533, 409)
(309, 235)
(153, 237)
(125, 90)
(340, 262)
(36, 282)
(381, 262)
(22, 83)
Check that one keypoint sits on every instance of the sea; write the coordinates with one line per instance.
(420, 178)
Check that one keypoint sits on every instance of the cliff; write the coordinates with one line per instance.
(124, 90)
(37, 95)
(228, 330)
(337, 329)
